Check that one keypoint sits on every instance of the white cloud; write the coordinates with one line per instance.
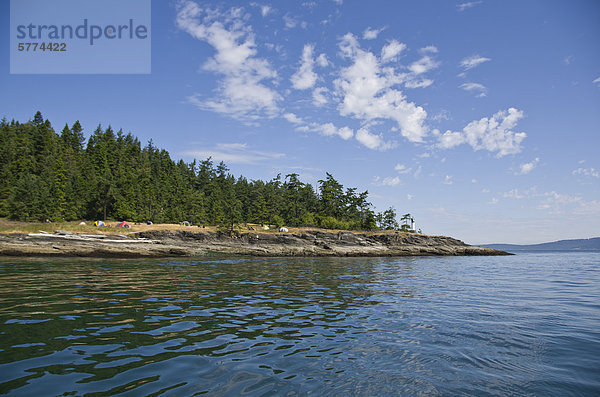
(429, 49)
(494, 134)
(391, 50)
(368, 92)
(526, 168)
(480, 89)
(329, 129)
(305, 77)
(419, 83)
(322, 60)
(373, 141)
(326, 129)
(423, 65)
(464, 6)
(234, 153)
(451, 139)
(448, 180)
(264, 9)
(442, 115)
(371, 34)
(473, 61)
(417, 173)
(513, 194)
(591, 172)
(568, 60)
(493, 201)
(402, 169)
(292, 118)
(588, 208)
(409, 196)
(387, 181)
(319, 98)
(597, 81)
(241, 92)
(557, 202)
(290, 22)
(232, 146)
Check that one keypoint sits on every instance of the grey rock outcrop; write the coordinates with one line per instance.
(187, 243)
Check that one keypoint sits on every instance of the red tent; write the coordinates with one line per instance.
(124, 224)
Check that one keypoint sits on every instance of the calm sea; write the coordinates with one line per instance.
(521, 325)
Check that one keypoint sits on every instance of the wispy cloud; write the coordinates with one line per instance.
(473, 61)
(558, 203)
(242, 91)
(448, 180)
(291, 22)
(526, 168)
(402, 169)
(371, 34)
(555, 202)
(423, 65)
(326, 129)
(568, 60)
(234, 153)
(264, 9)
(590, 172)
(319, 96)
(305, 77)
(477, 88)
(373, 141)
(597, 81)
(391, 50)
(514, 194)
(387, 181)
(429, 49)
(463, 6)
(292, 118)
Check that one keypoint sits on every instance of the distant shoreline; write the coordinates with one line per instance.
(574, 245)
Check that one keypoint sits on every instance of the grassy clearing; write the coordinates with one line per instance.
(11, 227)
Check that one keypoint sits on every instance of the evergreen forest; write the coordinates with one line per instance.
(64, 177)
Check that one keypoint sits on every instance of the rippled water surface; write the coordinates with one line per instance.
(522, 325)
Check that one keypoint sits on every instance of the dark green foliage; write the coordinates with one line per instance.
(387, 219)
(45, 175)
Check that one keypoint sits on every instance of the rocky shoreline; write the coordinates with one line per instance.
(161, 243)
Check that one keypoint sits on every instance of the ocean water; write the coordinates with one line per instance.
(521, 325)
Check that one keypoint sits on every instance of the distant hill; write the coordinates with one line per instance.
(590, 244)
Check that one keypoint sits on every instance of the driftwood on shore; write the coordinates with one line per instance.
(91, 238)
(186, 243)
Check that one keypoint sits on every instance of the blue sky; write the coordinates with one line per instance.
(480, 118)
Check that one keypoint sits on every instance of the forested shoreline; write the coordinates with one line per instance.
(63, 177)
